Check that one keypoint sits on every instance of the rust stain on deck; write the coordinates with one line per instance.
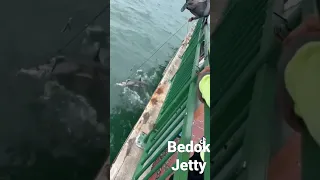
(157, 96)
(154, 101)
(159, 90)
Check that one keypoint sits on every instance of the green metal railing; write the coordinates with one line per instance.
(240, 43)
(245, 132)
(177, 112)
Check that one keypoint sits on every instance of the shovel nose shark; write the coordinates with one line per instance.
(132, 83)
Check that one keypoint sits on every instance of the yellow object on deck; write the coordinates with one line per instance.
(204, 87)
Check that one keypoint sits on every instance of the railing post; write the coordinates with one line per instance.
(257, 142)
(310, 157)
(188, 121)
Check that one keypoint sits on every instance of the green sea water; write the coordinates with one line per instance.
(138, 29)
(35, 143)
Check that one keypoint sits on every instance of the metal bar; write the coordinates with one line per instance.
(207, 158)
(248, 72)
(158, 166)
(156, 154)
(173, 114)
(230, 130)
(172, 118)
(206, 44)
(235, 162)
(223, 157)
(187, 127)
(310, 157)
(163, 117)
(257, 145)
(172, 105)
(166, 133)
(256, 9)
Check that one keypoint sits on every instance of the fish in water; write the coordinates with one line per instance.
(132, 83)
(199, 8)
(138, 86)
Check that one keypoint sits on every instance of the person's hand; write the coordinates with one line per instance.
(190, 19)
(310, 25)
(205, 71)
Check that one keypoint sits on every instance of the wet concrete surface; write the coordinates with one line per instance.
(30, 33)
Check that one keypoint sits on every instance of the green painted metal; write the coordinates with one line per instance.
(244, 91)
(164, 128)
(207, 158)
(257, 143)
(177, 112)
(231, 57)
(241, 44)
(310, 157)
(188, 121)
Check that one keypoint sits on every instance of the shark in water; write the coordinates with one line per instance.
(132, 83)
(139, 86)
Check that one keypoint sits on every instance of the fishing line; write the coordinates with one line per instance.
(188, 28)
(192, 49)
(81, 31)
(84, 28)
(147, 59)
